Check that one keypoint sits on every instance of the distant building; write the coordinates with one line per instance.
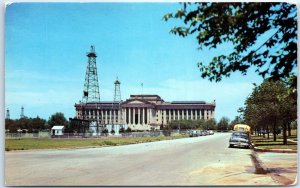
(144, 112)
(57, 130)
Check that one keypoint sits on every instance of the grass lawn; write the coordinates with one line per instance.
(56, 143)
(266, 143)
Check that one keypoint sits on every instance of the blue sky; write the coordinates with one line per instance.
(45, 57)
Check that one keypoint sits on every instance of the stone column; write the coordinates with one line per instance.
(212, 113)
(196, 114)
(149, 116)
(174, 114)
(178, 117)
(139, 115)
(192, 116)
(200, 114)
(105, 117)
(187, 114)
(182, 112)
(142, 117)
(133, 117)
(124, 114)
(205, 114)
(164, 116)
(209, 114)
(129, 116)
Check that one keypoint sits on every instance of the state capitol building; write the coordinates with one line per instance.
(144, 112)
(139, 112)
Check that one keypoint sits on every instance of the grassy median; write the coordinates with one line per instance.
(57, 143)
(265, 143)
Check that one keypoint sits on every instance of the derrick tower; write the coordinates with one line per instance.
(117, 94)
(91, 86)
(7, 114)
(22, 112)
(116, 105)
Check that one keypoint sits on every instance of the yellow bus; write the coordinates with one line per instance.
(242, 127)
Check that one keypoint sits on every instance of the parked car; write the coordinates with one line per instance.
(240, 139)
(211, 132)
(193, 133)
(204, 133)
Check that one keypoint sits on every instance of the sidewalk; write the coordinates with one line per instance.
(282, 167)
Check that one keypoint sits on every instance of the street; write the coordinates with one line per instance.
(204, 160)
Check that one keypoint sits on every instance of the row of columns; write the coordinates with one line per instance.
(105, 116)
(184, 115)
(143, 116)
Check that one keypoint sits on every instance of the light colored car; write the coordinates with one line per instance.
(211, 132)
(240, 139)
(193, 133)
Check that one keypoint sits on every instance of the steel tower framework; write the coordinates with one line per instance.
(117, 99)
(22, 112)
(117, 94)
(91, 86)
(7, 114)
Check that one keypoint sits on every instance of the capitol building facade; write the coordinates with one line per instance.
(143, 112)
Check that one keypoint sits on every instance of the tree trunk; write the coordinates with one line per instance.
(268, 132)
(274, 131)
(289, 129)
(284, 134)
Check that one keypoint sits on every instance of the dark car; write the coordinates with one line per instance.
(240, 139)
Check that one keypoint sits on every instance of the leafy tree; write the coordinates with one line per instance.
(122, 130)
(28, 124)
(210, 124)
(237, 120)
(11, 125)
(128, 130)
(57, 119)
(223, 123)
(241, 24)
(38, 123)
(271, 106)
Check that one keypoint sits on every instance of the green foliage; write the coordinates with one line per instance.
(223, 124)
(237, 120)
(57, 119)
(192, 124)
(104, 131)
(29, 124)
(128, 130)
(271, 106)
(122, 130)
(210, 124)
(241, 24)
(112, 132)
(30, 143)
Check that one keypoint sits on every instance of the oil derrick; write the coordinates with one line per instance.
(7, 114)
(22, 112)
(116, 105)
(91, 86)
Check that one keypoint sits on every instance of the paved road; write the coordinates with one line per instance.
(205, 160)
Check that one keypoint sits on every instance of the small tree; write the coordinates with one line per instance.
(57, 119)
(223, 123)
(128, 130)
(112, 131)
(210, 124)
(237, 120)
(122, 130)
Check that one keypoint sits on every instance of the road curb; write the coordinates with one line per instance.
(275, 150)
